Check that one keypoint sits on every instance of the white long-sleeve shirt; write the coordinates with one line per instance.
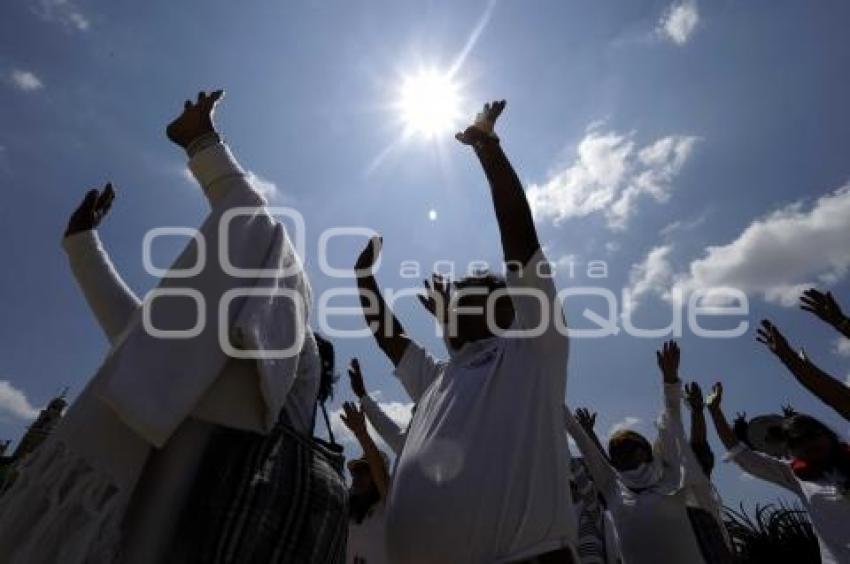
(652, 523)
(826, 500)
(234, 400)
(72, 502)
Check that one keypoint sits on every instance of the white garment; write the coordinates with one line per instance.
(367, 539)
(387, 429)
(653, 522)
(484, 473)
(73, 493)
(826, 500)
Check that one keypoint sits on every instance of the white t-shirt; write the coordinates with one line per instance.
(484, 474)
(827, 500)
(367, 539)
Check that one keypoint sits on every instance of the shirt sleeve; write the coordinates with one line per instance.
(219, 174)
(671, 442)
(417, 370)
(535, 300)
(603, 474)
(764, 467)
(389, 430)
(109, 298)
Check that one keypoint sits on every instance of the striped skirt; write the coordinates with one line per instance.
(265, 499)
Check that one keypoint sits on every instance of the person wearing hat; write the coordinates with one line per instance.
(366, 496)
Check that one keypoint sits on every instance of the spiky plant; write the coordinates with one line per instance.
(774, 533)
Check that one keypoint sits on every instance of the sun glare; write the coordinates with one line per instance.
(429, 103)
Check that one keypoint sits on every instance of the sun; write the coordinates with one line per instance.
(429, 103)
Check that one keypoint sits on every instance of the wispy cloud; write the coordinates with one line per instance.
(841, 346)
(63, 12)
(626, 423)
(610, 175)
(679, 21)
(653, 275)
(14, 404)
(25, 80)
(266, 187)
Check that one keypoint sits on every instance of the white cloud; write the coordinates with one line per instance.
(266, 187)
(397, 411)
(781, 254)
(26, 80)
(14, 403)
(653, 275)
(841, 347)
(610, 175)
(679, 21)
(64, 12)
(626, 423)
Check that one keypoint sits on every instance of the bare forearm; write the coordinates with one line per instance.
(698, 430)
(724, 430)
(827, 388)
(513, 213)
(376, 463)
(385, 326)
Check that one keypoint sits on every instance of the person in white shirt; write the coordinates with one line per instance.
(484, 473)
(818, 473)
(131, 446)
(367, 494)
(648, 488)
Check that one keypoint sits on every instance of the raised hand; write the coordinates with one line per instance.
(693, 395)
(365, 264)
(91, 211)
(822, 305)
(483, 128)
(354, 419)
(668, 361)
(355, 378)
(195, 120)
(586, 418)
(438, 294)
(715, 398)
(770, 336)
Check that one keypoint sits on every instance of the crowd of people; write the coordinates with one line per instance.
(179, 450)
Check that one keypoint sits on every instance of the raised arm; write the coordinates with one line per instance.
(516, 225)
(211, 161)
(829, 390)
(587, 420)
(756, 464)
(109, 298)
(356, 421)
(387, 429)
(603, 474)
(699, 437)
(385, 326)
(671, 433)
(824, 306)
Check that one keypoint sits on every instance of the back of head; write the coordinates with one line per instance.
(628, 449)
(474, 300)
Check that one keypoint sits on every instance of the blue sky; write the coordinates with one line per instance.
(686, 145)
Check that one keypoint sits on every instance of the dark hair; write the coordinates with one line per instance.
(801, 427)
(484, 279)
